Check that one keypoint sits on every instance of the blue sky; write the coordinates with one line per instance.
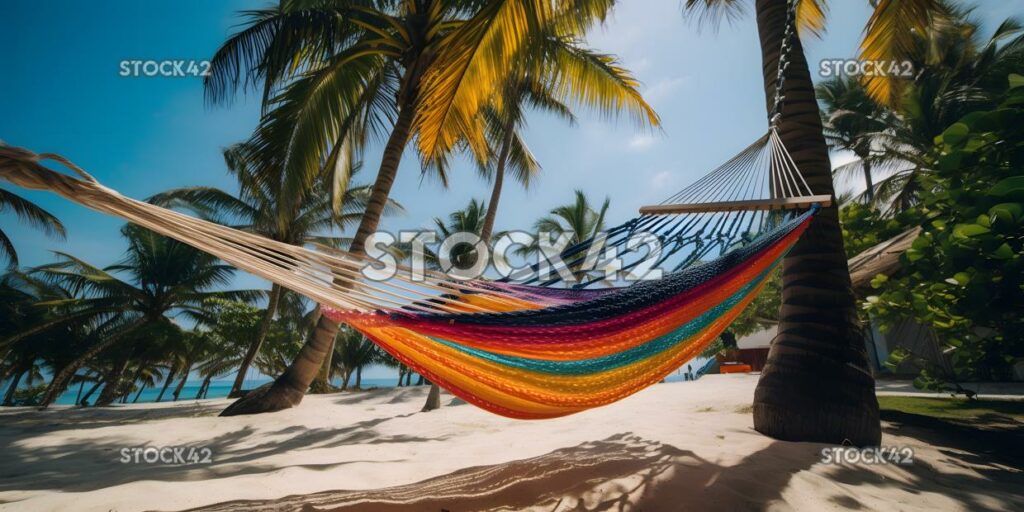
(61, 92)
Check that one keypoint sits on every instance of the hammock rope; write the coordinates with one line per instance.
(531, 346)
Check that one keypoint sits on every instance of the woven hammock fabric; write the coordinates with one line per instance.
(553, 356)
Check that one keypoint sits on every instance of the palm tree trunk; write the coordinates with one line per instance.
(167, 382)
(109, 393)
(322, 382)
(181, 383)
(816, 385)
(137, 395)
(9, 396)
(60, 380)
(345, 378)
(401, 375)
(420, 381)
(869, 193)
(433, 398)
(90, 392)
(408, 377)
(499, 178)
(81, 387)
(202, 389)
(288, 389)
(359, 377)
(257, 342)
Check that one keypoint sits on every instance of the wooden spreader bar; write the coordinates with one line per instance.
(778, 203)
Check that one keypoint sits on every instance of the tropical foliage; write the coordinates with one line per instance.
(956, 71)
(963, 275)
(162, 279)
(28, 212)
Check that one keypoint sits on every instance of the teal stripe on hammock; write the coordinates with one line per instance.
(626, 357)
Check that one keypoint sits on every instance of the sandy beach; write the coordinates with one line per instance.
(678, 446)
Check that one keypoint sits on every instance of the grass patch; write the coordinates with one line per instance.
(960, 410)
(989, 428)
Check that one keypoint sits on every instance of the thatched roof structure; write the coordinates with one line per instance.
(883, 258)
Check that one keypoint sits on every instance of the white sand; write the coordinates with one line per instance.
(671, 447)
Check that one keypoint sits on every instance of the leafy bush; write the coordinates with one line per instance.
(965, 274)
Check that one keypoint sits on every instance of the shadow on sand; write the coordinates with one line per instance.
(29, 467)
(626, 472)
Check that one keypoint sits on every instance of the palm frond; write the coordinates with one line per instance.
(472, 62)
(27, 211)
(890, 36)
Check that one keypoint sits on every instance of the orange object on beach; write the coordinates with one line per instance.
(734, 368)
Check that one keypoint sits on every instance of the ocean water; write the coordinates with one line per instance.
(220, 389)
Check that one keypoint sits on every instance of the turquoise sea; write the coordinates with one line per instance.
(219, 389)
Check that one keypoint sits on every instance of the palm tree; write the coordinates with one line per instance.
(268, 208)
(468, 220)
(197, 345)
(28, 212)
(31, 323)
(578, 219)
(339, 70)
(816, 385)
(853, 122)
(506, 119)
(353, 352)
(164, 277)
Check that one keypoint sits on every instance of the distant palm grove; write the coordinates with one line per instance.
(941, 152)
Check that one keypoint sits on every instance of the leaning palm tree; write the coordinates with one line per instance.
(164, 278)
(28, 212)
(339, 70)
(816, 385)
(263, 205)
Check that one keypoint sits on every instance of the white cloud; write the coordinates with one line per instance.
(662, 179)
(641, 142)
(664, 88)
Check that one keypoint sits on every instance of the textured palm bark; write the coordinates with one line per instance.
(816, 385)
(433, 398)
(288, 389)
(322, 382)
(499, 178)
(254, 347)
(184, 379)
(113, 381)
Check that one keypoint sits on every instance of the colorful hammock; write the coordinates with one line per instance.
(556, 360)
(517, 350)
